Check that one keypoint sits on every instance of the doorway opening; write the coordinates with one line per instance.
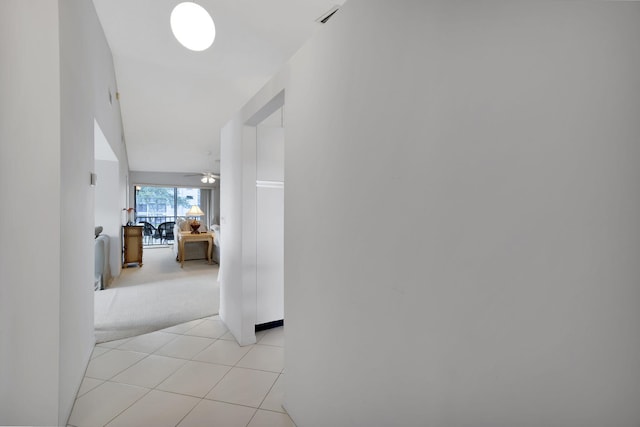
(267, 124)
(108, 196)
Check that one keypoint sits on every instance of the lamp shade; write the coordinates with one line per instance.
(195, 211)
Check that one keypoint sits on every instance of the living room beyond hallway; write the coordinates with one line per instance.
(157, 295)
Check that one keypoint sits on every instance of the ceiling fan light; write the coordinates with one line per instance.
(211, 180)
(203, 179)
(192, 26)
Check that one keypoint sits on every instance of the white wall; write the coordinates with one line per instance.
(108, 210)
(29, 166)
(248, 237)
(61, 71)
(108, 195)
(496, 283)
(270, 153)
(87, 78)
(232, 293)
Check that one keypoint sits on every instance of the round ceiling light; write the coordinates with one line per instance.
(192, 26)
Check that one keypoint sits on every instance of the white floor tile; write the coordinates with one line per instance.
(260, 335)
(148, 343)
(223, 352)
(113, 344)
(194, 378)
(88, 384)
(273, 336)
(228, 337)
(264, 357)
(273, 401)
(157, 409)
(243, 387)
(103, 403)
(270, 419)
(182, 327)
(218, 414)
(185, 363)
(149, 372)
(208, 329)
(184, 347)
(112, 363)
(99, 351)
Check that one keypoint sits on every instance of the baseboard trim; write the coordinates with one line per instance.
(269, 325)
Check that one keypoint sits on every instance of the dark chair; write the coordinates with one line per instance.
(149, 232)
(169, 231)
(157, 234)
(165, 231)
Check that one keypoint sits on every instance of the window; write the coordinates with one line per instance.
(156, 205)
(190, 196)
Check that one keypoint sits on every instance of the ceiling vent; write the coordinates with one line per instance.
(328, 14)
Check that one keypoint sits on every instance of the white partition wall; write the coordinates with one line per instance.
(30, 265)
(495, 283)
(230, 274)
(479, 265)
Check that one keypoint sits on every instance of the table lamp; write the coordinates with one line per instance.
(195, 212)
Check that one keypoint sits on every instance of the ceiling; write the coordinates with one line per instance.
(174, 102)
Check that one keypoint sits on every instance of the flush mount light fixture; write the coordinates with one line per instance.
(192, 26)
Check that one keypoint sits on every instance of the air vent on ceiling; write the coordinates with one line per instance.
(328, 14)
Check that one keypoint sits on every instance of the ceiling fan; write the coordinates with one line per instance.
(206, 177)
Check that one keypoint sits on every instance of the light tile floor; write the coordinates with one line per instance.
(193, 374)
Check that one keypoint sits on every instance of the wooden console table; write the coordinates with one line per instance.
(186, 236)
(132, 245)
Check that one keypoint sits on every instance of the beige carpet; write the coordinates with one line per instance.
(157, 295)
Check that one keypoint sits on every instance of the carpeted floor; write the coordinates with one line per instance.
(157, 295)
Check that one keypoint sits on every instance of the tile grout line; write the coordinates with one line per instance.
(132, 403)
(188, 412)
(270, 388)
(78, 395)
(252, 417)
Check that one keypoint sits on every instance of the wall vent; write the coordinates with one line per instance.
(328, 14)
